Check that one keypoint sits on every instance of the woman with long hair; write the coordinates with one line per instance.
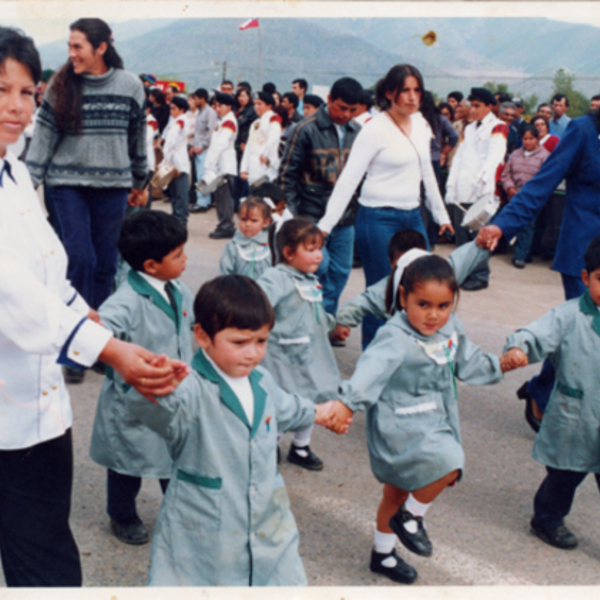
(89, 146)
(393, 151)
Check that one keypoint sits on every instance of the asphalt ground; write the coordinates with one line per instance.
(479, 528)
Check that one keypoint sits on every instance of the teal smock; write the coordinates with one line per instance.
(569, 335)
(299, 355)
(406, 381)
(372, 301)
(138, 313)
(226, 518)
(246, 256)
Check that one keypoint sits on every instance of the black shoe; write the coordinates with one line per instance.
(278, 455)
(221, 235)
(523, 393)
(198, 209)
(99, 367)
(401, 573)
(417, 542)
(473, 285)
(311, 461)
(337, 343)
(517, 262)
(74, 375)
(559, 537)
(131, 531)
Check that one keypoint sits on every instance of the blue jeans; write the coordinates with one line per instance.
(335, 269)
(374, 228)
(541, 385)
(524, 241)
(178, 193)
(199, 160)
(90, 221)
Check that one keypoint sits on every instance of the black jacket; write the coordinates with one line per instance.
(311, 164)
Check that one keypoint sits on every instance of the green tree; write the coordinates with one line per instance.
(563, 84)
(531, 103)
(497, 88)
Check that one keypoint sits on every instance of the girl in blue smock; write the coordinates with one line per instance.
(407, 380)
(299, 355)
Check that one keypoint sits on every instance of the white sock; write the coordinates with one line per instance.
(413, 506)
(384, 542)
(301, 439)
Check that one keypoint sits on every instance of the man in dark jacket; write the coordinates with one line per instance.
(312, 161)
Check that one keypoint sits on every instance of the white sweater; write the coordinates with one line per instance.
(393, 171)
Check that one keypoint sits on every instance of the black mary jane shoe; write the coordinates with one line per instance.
(304, 457)
(402, 572)
(417, 542)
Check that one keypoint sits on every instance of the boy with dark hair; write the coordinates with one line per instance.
(290, 102)
(153, 309)
(568, 442)
(300, 87)
(454, 99)
(312, 161)
(312, 102)
(226, 519)
(269, 88)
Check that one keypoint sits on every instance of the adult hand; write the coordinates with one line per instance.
(446, 227)
(138, 197)
(94, 316)
(488, 237)
(511, 192)
(244, 176)
(148, 373)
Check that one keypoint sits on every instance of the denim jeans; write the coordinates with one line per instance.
(524, 241)
(199, 160)
(178, 194)
(90, 221)
(335, 268)
(374, 228)
(541, 385)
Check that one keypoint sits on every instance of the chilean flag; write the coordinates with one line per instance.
(249, 24)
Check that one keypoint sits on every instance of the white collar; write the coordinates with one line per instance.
(157, 284)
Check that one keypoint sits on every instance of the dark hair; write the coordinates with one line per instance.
(180, 102)
(430, 111)
(149, 235)
(16, 45)
(245, 84)
(458, 96)
(201, 93)
(421, 270)
(227, 82)
(302, 83)
(283, 115)
(292, 98)
(592, 255)
(277, 95)
(67, 86)
(313, 100)
(543, 118)
(405, 240)
(504, 97)
(294, 232)
(348, 90)
(543, 104)
(159, 96)
(266, 98)
(173, 88)
(532, 129)
(367, 99)
(559, 97)
(445, 105)
(248, 92)
(269, 190)
(394, 82)
(269, 87)
(232, 301)
(255, 202)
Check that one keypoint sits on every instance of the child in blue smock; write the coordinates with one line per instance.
(568, 442)
(299, 355)
(407, 380)
(372, 301)
(226, 517)
(248, 253)
(153, 309)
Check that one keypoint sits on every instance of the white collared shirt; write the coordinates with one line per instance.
(157, 284)
(41, 315)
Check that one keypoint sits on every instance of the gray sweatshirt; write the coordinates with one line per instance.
(111, 150)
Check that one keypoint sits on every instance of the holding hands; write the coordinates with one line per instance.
(340, 332)
(334, 415)
(515, 358)
(488, 237)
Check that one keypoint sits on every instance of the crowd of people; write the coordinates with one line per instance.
(317, 184)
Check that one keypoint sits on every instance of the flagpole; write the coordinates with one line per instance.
(259, 59)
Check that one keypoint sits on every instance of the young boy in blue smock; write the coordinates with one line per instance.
(153, 309)
(226, 517)
(568, 442)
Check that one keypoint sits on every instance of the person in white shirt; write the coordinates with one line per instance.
(392, 153)
(261, 156)
(175, 152)
(44, 323)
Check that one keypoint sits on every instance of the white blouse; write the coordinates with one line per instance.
(394, 169)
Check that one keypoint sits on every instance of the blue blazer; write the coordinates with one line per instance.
(576, 158)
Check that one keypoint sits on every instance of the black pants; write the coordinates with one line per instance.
(554, 498)
(36, 543)
(122, 490)
(223, 196)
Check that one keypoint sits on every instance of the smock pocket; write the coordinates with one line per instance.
(198, 500)
(418, 412)
(296, 349)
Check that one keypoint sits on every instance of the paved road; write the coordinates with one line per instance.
(479, 528)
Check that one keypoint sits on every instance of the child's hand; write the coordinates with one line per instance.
(334, 415)
(513, 359)
(340, 332)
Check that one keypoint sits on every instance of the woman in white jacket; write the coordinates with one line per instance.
(261, 156)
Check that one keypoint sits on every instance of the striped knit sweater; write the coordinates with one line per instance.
(520, 168)
(111, 150)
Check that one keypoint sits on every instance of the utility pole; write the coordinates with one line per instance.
(224, 71)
